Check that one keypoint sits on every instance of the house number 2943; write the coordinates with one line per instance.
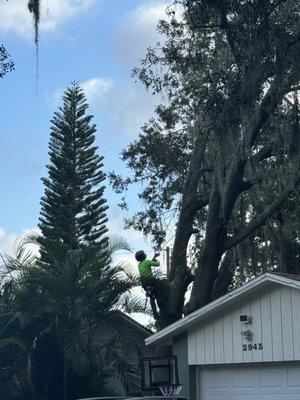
(254, 346)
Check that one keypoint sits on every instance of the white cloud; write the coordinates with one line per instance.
(127, 105)
(130, 106)
(2, 233)
(16, 18)
(138, 31)
(95, 88)
(9, 241)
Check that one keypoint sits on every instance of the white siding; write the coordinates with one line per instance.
(237, 340)
(256, 327)
(275, 314)
(276, 321)
(209, 348)
(218, 339)
(296, 322)
(192, 351)
(228, 338)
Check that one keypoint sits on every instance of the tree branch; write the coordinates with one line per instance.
(262, 154)
(248, 184)
(260, 219)
(154, 308)
(210, 26)
(276, 5)
(225, 275)
(202, 201)
(281, 85)
(191, 203)
(268, 105)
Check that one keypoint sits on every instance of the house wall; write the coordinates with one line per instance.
(187, 374)
(137, 337)
(275, 325)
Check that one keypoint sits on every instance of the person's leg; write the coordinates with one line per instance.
(147, 285)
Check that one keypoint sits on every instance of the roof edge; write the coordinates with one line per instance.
(184, 323)
(134, 322)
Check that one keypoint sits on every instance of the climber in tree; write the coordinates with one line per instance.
(146, 275)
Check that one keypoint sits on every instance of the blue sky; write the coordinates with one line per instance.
(96, 42)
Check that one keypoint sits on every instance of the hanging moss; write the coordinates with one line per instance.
(34, 8)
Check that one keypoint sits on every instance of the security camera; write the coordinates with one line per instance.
(246, 319)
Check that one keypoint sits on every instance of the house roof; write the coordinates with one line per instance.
(135, 324)
(230, 298)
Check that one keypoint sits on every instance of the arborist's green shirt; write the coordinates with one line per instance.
(145, 268)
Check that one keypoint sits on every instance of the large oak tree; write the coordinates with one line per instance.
(222, 157)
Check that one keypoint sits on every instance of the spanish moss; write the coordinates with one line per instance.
(34, 8)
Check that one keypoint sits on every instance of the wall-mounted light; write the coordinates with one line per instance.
(245, 319)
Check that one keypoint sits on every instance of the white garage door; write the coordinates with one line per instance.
(249, 382)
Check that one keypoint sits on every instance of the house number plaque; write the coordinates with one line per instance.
(254, 346)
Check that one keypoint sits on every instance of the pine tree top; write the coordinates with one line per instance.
(73, 209)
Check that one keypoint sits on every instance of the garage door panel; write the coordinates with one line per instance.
(271, 378)
(293, 377)
(245, 382)
(220, 381)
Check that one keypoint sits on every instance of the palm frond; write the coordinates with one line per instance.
(70, 299)
(21, 246)
(136, 304)
(73, 346)
(116, 243)
(121, 366)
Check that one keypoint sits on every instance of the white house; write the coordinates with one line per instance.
(243, 346)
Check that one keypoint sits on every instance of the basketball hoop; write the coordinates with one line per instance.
(159, 372)
(170, 390)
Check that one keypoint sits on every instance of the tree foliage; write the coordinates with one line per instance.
(73, 208)
(62, 335)
(222, 155)
(6, 64)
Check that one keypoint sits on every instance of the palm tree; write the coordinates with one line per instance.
(62, 320)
